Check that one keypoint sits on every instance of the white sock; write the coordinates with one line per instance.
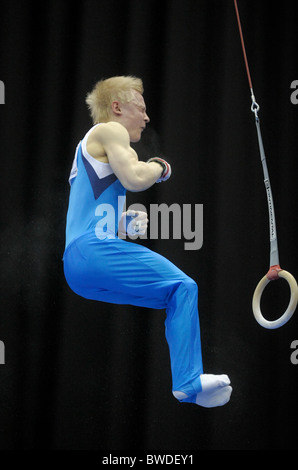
(216, 391)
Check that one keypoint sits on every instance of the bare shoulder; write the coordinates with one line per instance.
(105, 138)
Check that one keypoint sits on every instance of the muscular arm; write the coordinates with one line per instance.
(134, 175)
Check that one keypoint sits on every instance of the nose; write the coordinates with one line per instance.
(146, 118)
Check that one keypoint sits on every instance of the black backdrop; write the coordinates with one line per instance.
(85, 375)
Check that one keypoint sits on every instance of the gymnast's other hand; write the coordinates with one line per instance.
(133, 223)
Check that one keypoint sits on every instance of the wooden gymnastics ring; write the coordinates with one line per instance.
(275, 272)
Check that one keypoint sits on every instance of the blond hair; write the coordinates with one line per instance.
(106, 91)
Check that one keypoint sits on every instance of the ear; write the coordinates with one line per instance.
(116, 108)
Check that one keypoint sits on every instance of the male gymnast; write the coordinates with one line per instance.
(101, 265)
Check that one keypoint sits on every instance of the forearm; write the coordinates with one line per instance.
(143, 176)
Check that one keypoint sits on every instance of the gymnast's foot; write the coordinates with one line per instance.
(216, 391)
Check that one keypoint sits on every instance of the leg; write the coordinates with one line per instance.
(183, 336)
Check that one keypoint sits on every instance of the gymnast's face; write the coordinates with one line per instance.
(133, 116)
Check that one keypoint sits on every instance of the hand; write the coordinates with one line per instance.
(133, 223)
(136, 222)
(167, 171)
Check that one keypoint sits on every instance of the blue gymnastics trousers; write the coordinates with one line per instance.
(121, 272)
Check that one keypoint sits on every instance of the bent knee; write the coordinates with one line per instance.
(190, 284)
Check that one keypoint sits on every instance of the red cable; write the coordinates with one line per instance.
(243, 46)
